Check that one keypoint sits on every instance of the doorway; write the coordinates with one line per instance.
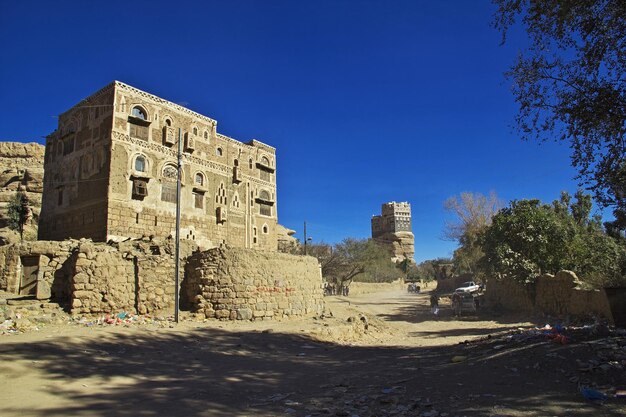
(28, 276)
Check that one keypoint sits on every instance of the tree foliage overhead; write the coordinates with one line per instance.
(529, 238)
(18, 212)
(570, 84)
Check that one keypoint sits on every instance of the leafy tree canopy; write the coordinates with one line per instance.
(355, 259)
(529, 238)
(570, 84)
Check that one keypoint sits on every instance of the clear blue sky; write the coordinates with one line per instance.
(365, 101)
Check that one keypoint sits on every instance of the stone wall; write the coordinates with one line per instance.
(551, 295)
(243, 284)
(138, 277)
(107, 280)
(55, 267)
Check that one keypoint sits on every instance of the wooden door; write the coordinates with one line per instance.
(28, 279)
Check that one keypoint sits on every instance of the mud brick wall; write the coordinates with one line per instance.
(55, 267)
(107, 280)
(103, 282)
(243, 284)
(155, 283)
(509, 295)
(552, 295)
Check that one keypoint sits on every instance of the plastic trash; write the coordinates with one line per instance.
(592, 394)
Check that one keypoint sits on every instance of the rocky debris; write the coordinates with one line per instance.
(21, 168)
(22, 314)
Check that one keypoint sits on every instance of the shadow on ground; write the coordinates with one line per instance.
(213, 372)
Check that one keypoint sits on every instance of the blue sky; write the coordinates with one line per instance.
(365, 101)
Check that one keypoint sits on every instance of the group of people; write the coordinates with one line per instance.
(331, 288)
(414, 288)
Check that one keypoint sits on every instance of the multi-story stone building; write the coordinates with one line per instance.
(393, 228)
(394, 217)
(111, 168)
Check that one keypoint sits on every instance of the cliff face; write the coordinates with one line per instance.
(400, 244)
(21, 168)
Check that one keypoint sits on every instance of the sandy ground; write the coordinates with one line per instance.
(399, 360)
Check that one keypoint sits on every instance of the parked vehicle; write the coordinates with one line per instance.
(469, 287)
(464, 302)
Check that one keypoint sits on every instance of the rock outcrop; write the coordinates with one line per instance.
(21, 168)
(400, 244)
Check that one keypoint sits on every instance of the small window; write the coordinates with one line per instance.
(140, 189)
(250, 163)
(236, 162)
(264, 195)
(168, 122)
(140, 164)
(206, 134)
(218, 152)
(195, 131)
(265, 229)
(139, 113)
(198, 199)
(199, 179)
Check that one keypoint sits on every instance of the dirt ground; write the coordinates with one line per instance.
(373, 354)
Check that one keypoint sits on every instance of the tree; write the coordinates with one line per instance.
(473, 212)
(524, 241)
(529, 238)
(18, 212)
(352, 258)
(570, 84)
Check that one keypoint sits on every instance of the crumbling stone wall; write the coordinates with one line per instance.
(243, 284)
(554, 295)
(55, 267)
(109, 279)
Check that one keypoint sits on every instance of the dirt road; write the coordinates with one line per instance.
(399, 360)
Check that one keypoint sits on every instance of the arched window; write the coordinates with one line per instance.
(139, 113)
(219, 152)
(206, 134)
(265, 161)
(265, 229)
(195, 131)
(168, 122)
(168, 185)
(140, 164)
(236, 162)
(199, 179)
(265, 204)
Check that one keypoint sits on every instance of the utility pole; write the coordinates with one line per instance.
(305, 240)
(177, 276)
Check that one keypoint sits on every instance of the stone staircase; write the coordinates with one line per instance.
(26, 311)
